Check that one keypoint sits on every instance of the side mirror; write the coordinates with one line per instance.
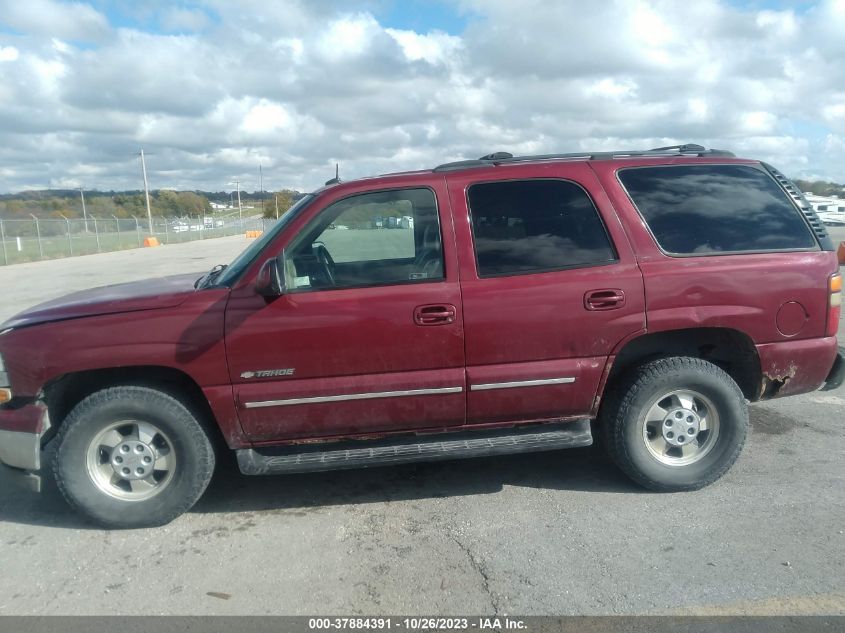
(271, 278)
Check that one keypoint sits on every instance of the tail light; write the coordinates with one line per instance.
(835, 286)
(5, 389)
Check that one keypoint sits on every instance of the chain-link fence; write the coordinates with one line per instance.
(34, 239)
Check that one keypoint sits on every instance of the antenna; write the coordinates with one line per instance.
(336, 178)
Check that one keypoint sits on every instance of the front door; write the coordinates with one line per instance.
(368, 336)
(550, 288)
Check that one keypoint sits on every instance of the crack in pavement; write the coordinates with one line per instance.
(479, 568)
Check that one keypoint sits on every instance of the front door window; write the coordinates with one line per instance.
(373, 239)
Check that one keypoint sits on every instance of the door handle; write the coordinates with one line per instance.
(605, 299)
(437, 314)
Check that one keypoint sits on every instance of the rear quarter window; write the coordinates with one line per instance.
(707, 209)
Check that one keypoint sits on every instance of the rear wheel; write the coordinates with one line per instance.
(675, 424)
(132, 457)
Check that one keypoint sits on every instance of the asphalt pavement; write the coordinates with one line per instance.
(551, 533)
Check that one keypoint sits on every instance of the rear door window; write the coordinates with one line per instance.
(526, 226)
(706, 209)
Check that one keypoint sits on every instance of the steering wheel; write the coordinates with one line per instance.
(321, 253)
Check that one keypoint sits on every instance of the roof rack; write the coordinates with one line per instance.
(500, 158)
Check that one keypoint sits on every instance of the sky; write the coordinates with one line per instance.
(213, 89)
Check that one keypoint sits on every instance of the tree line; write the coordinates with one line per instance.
(163, 203)
(821, 187)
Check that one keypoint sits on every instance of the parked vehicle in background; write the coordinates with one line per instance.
(651, 293)
(833, 218)
(830, 209)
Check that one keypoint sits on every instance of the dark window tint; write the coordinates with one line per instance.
(535, 225)
(695, 209)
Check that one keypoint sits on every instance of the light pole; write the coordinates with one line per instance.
(84, 212)
(237, 183)
(261, 187)
(147, 192)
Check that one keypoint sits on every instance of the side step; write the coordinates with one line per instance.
(403, 449)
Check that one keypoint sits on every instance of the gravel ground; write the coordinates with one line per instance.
(552, 533)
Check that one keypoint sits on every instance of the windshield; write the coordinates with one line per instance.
(245, 259)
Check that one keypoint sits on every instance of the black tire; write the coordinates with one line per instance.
(622, 417)
(193, 457)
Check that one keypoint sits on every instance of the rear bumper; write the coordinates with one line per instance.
(837, 373)
(792, 367)
(21, 430)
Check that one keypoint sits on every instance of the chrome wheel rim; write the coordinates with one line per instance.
(680, 427)
(131, 460)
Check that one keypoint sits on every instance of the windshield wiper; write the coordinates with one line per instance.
(207, 278)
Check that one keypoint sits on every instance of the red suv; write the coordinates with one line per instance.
(483, 307)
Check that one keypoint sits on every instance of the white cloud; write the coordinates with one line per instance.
(758, 122)
(60, 47)
(8, 53)
(266, 118)
(435, 48)
(299, 85)
(611, 88)
(698, 110)
(834, 114)
(781, 23)
(66, 20)
(347, 36)
(181, 20)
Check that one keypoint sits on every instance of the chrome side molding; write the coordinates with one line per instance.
(522, 383)
(409, 392)
(352, 396)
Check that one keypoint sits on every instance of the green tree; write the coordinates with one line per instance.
(284, 199)
(821, 187)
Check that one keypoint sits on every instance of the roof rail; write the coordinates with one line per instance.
(500, 158)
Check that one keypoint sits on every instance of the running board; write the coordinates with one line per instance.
(303, 458)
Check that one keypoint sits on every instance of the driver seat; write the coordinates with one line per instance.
(429, 261)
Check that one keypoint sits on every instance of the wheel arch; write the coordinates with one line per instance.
(730, 349)
(63, 393)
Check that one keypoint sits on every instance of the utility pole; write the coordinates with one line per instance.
(237, 183)
(261, 186)
(276, 198)
(147, 192)
(84, 212)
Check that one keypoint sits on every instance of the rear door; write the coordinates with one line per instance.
(369, 337)
(550, 287)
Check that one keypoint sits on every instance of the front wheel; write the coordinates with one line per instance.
(675, 424)
(132, 457)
